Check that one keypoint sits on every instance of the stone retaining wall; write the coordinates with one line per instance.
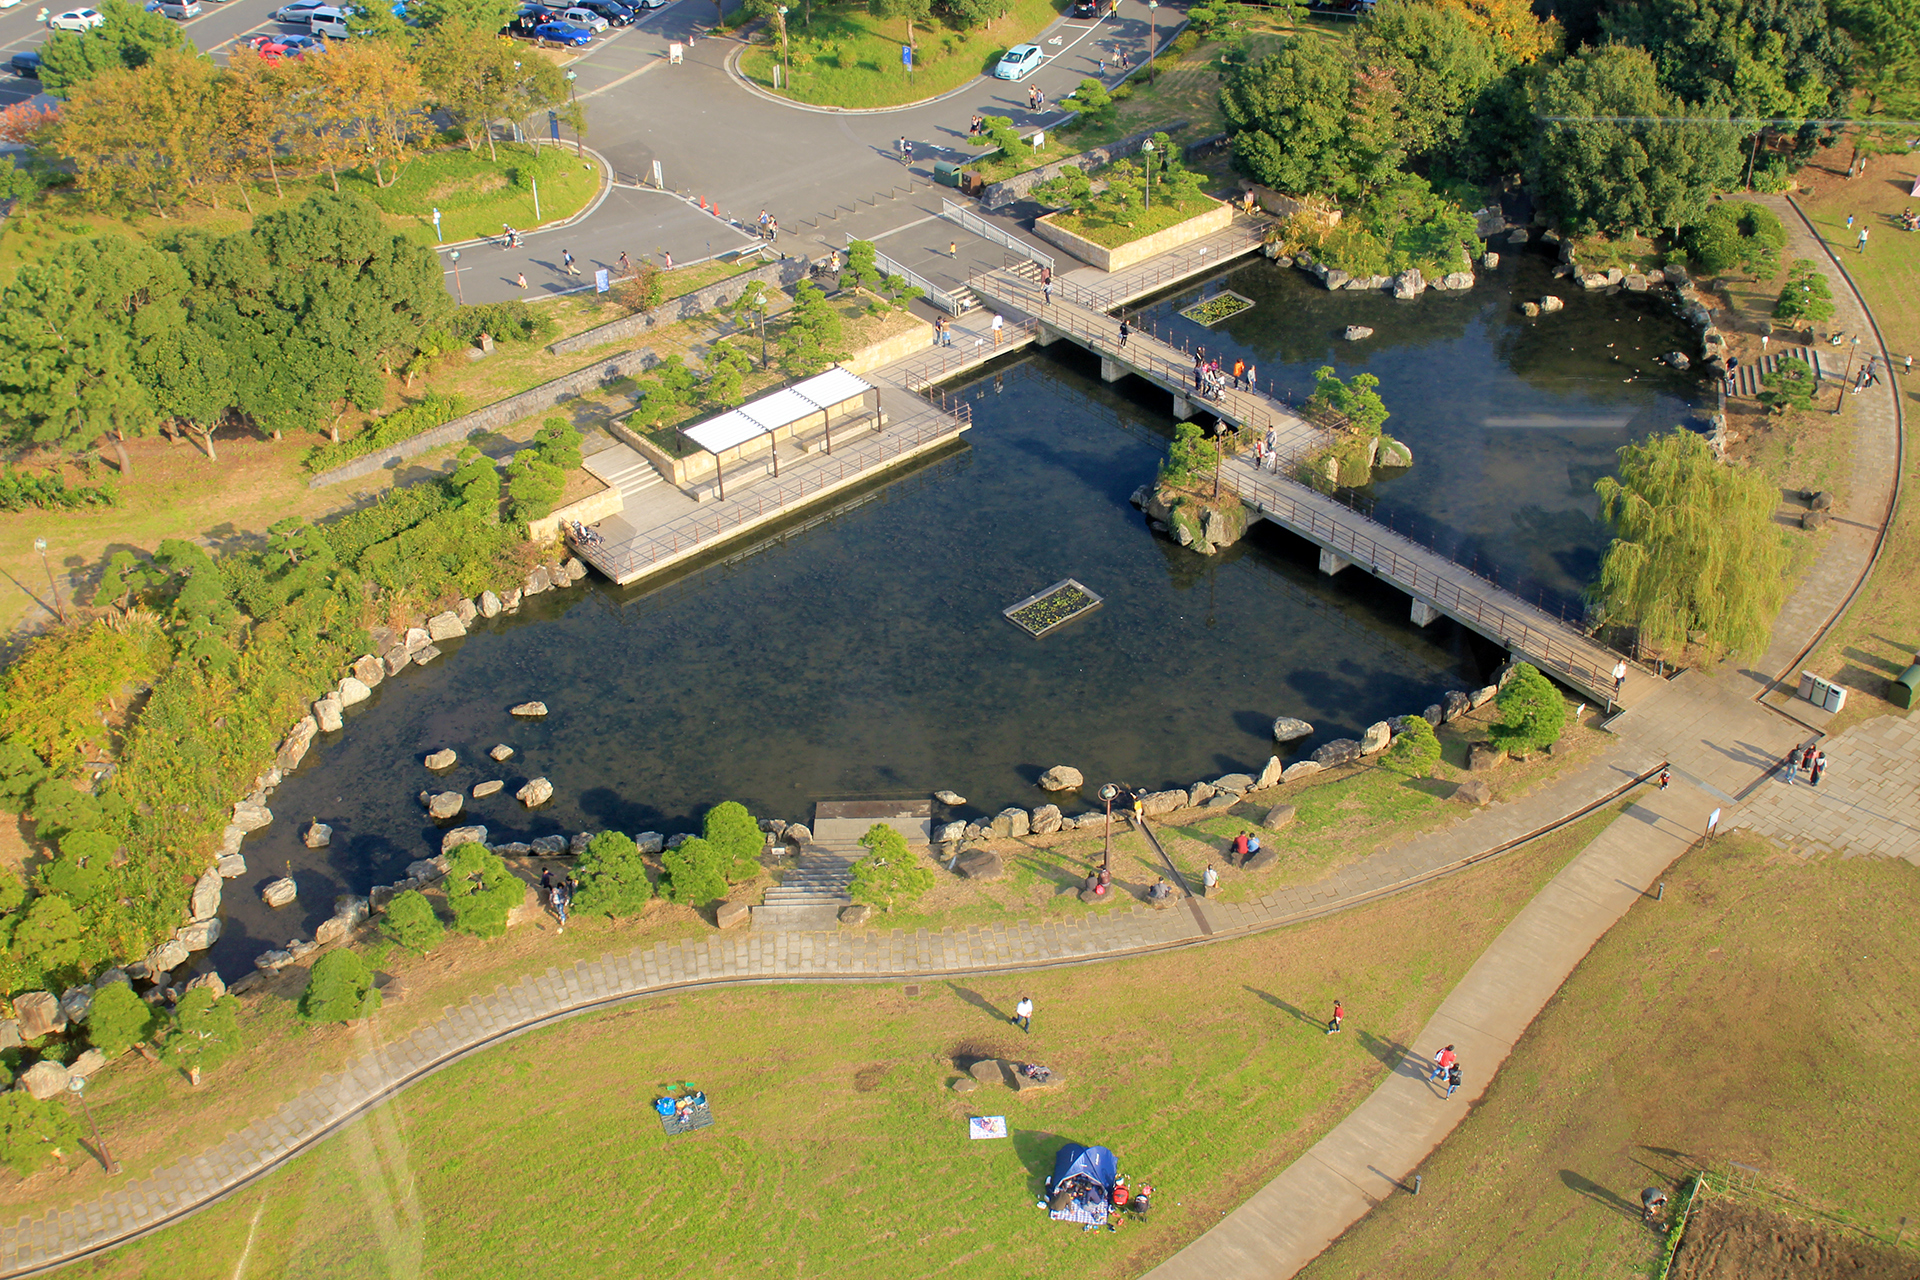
(1199, 227)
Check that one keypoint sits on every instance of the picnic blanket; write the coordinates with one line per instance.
(699, 1116)
(1088, 1213)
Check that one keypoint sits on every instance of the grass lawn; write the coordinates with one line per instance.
(475, 197)
(849, 58)
(840, 1147)
(1756, 1014)
(1110, 231)
(1879, 634)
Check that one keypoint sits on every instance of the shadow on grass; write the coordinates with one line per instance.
(1037, 1149)
(1284, 1007)
(1600, 1195)
(981, 1003)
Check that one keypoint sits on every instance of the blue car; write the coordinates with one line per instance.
(563, 33)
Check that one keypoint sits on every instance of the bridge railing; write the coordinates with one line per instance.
(979, 226)
(942, 363)
(1455, 590)
(1164, 270)
(865, 452)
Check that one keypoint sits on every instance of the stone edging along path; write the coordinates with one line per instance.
(169, 1194)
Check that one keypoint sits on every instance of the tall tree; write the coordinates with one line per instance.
(1695, 549)
(1518, 34)
(71, 329)
(372, 99)
(1617, 152)
(250, 114)
(908, 11)
(469, 74)
(127, 40)
(1441, 62)
(1755, 58)
(1313, 119)
(1886, 46)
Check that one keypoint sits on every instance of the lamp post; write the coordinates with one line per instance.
(573, 96)
(1841, 399)
(60, 610)
(1153, 35)
(457, 290)
(1107, 793)
(786, 62)
(1146, 149)
(78, 1087)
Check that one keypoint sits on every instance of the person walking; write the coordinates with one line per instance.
(566, 261)
(1239, 374)
(906, 148)
(1339, 1013)
(669, 258)
(560, 904)
(1849, 222)
(1208, 879)
(1806, 758)
(1124, 331)
(1441, 1061)
(1819, 766)
(1046, 293)
(1666, 776)
(1253, 381)
(521, 278)
(1863, 240)
(773, 230)
(999, 326)
(626, 265)
(547, 883)
(1790, 769)
(939, 331)
(1023, 1014)
(1453, 1078)
(900, 146)
(1619, 676)
(953, 250)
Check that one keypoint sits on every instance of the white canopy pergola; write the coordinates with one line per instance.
(776, 412)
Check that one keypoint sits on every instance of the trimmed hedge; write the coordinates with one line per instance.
(432, 411)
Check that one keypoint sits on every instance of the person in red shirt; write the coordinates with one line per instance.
(1240, 849)
(1339, 1012)
(1441, 1061)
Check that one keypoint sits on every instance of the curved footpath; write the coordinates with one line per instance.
(1721, 742)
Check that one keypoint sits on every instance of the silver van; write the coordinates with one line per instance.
(331, 23)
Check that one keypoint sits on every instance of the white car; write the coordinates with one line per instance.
(76, 20)
(585, 18)
(8, 4)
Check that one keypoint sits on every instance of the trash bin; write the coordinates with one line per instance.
(1901, 689)
(946, 173)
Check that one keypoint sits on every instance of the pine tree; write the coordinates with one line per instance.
(1415, 749)
(481, 891)
(340, 989)
(736, 838)
(694, 873)
(32, 1130)
(119, 1020)
(412, 922)
(1532, 712)
(206, 1032)
(613, 877)
(888, 873)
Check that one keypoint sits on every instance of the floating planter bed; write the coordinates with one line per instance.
(1051, 609)
(1221, 306)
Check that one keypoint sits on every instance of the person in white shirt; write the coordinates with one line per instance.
(1023, 1014)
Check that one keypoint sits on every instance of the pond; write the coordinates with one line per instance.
(861, 650)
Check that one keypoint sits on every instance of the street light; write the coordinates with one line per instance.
(786, 63)
(1841, 399)
(574, 97)
(1153, 35)
(40, 545)
(1106, 793)
(1146, 149)
(78, 1087)
(458, 291)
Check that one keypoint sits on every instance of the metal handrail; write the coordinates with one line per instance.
(987, 231)
(1168, 268)
(849, 460)
(939, 297)
(942, 361)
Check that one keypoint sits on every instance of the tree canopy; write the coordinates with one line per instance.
(1806, 298)
(412, 922)
(613, 878)
(736, 837)
(120, 1019)
(339, 989)
(481, 891)
(127, 40)
(1309, 119)
(206, 1031)
(1532, 712)
(695, 873)
(31, 1131)
(888, 874)
(1737, 235)
(1695, 550)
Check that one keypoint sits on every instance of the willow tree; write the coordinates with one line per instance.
(1695, 549)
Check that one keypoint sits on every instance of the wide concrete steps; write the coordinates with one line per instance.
(812, 895)
(622, 468)
(1749, 379)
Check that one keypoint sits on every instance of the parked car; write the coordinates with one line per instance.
(563, 33)
(298, 10)
(612, 10)
(76, 20)
(331, 23)
(300, 46)
(1019, 62)
(178, 10)
(26, 64)
(266, 45)
(649, 4)
(587, 18)
(1087, 8)
(529, 17)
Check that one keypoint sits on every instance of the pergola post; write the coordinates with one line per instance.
(720, 476)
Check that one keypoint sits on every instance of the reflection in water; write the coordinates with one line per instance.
(861, 650)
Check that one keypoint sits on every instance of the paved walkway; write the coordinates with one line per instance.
(175, 1190)
(1867, 803)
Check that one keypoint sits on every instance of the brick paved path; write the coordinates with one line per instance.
(1867, 803)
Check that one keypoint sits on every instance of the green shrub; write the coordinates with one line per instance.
(736, 837)
(481, 891)
(432, 410)
(695, 874)
(120, 1020)
(340, 989)
(31, 1131)
(512, 321)
(613, 879)
(1789, 386)
(412, 923)
(1735, 234)
(1415, 749)
(888, 874)
(51, 492)
(1532, 712)
(206, 1031)
(1806, 298)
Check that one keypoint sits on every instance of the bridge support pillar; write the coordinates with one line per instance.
(1112, 370)
(1423, 613)
(1182, 410)
(1045, 337)
(1330, 563)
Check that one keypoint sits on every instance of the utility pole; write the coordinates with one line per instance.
(60, 610)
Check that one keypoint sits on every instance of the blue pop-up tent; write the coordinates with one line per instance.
(1097, 1163)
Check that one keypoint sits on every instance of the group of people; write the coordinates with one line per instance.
(769, 226)
(1245, 845)
(1266, 451)
(1211, 379)
(1809, 758)
(559, 891)
(583, 536)
(1909, 219)
(1035, 98)
(1446, 1066)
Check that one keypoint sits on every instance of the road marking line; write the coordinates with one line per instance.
(611, 84)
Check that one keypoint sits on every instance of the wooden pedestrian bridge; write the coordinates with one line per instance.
(1345, 538)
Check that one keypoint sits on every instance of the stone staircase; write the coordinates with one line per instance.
(813, 895)
(970, 301)
(622, 467)
(1747, 379)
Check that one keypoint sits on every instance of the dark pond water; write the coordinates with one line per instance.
(862, 651)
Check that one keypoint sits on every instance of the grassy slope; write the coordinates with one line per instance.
(1756, 1014)
(840, 1148)
(1880, 633)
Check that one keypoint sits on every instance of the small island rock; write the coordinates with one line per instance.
(278, 893)
(536, 793)
(530, 710)
(1062, 778)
